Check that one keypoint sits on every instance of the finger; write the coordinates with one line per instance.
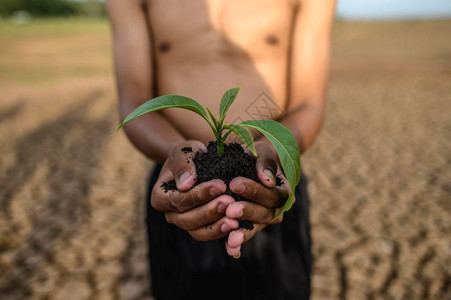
(234, 242)
(244, 210)
(202, 215)
(266, 165)
(239, 237)
(214, 231)
(258, 193)
(165, 174)
(235, 239)
(234, 252)
(182, 166)
(176, 201)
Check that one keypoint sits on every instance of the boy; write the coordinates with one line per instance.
(278, 50)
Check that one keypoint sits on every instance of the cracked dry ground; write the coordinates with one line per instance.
(71, 196)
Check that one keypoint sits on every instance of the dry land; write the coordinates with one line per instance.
(72, 196)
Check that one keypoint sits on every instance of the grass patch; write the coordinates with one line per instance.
(54, 26)
(47, 51)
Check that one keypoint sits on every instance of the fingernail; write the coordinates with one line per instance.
(238, 256)
(240, 189)
(225, 228)
(269, 173)
(214, 191)
(184, 177)
(240, 213)
(221, 208)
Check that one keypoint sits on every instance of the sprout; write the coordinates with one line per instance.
(279, 136)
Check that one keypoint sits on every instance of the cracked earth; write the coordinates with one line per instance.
(72, 196)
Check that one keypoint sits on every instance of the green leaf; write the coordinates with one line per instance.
(227, 100)
(287, 149)
(244, 135)
(163, 102)
(215, 121)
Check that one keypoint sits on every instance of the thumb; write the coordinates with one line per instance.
(182, 166)
(266, 166)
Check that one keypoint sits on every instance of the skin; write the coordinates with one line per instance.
(199, 49)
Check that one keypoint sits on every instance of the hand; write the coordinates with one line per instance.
(200, 210)
(265, 198)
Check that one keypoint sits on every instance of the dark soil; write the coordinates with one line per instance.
(187, 150)
(169, 186)
(234, 162)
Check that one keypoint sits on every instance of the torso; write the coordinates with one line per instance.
(203, 48)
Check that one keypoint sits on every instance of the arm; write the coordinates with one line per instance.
(152, 134)
(155, 137)
(309, 70)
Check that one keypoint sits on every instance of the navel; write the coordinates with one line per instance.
(272, 40)
(164, 46)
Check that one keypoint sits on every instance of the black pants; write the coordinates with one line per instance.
(275, 264)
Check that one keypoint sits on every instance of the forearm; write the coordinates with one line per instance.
(151, 134)
(305, 124)
(308, 88)
(309, 70)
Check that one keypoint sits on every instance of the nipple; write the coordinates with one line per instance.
(164, 46)
(272, 40)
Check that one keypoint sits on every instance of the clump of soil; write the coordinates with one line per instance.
(187, 150)
(234, 162)
(169, 186)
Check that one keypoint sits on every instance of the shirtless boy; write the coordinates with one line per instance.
(199, 49)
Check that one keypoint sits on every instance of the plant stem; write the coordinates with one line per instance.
(220, 143)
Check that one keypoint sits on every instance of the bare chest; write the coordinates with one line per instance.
(259, 27)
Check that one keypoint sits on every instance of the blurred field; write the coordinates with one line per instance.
(71, 196)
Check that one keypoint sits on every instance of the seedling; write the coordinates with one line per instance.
(280, 137)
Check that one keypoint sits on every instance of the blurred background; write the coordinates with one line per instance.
(72, 196)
